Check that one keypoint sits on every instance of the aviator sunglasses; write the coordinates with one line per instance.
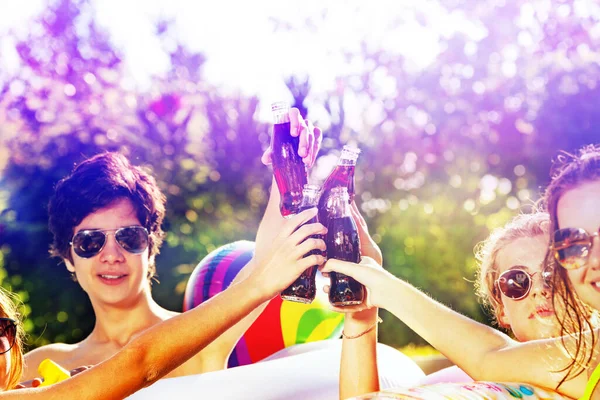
(88, 243)
(516, 283)
(8, 330)
(571, 247)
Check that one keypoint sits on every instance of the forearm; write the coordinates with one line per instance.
(221, 348)
(268, 229)
(481, 351)
(463, 340)
(358, 367)
(158, 350)
(271, 222)
(195, 329)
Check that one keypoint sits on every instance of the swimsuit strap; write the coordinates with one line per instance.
(591, 384)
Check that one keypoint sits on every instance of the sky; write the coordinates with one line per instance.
(238, 37)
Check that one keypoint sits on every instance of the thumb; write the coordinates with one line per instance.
(266, 157)
(344, 267)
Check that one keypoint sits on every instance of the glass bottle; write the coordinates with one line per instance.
(304, 289)
(343, 243)
(288, 168)
(342, 175)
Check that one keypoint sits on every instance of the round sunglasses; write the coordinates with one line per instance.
(516, 283)
(572, 246)
(8, 334)
(88, 243)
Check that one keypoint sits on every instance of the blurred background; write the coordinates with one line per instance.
(459, 106)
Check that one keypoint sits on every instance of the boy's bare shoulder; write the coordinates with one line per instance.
(57, 352)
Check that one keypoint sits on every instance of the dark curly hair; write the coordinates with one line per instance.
(568, 172)
(97, 183)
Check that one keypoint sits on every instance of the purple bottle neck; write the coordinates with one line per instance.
(281, 112)
(349, 156)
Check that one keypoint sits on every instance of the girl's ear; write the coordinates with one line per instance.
(502, 318)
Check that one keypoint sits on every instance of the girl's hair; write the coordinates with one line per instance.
(8, 309)
(568, 172)
(486, 253)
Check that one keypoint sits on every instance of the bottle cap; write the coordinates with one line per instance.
(349, 153)
(281, 112)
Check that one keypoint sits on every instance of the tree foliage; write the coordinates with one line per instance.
(449, 152)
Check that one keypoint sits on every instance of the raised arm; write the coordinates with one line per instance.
(481, 351)
(270, 226)
(167, 345)
(358, 364)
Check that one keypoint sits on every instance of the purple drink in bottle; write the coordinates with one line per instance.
(341, 176)
(343, 244)
(288, 168)
(304, 289)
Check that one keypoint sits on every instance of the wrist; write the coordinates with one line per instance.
(387, 291)
(355, 334)
(255, 290)
(365, 317)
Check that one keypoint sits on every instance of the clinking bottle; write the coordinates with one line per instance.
(341, 176)
(288, 168)
(343, 243)
(304, 289)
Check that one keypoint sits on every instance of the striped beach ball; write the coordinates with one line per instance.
(280, 325)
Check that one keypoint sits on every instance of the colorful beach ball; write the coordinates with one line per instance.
(281, 324)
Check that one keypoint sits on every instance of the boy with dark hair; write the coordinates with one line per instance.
(106, 220)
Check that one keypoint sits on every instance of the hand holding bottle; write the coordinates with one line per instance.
(304, 288)
(287, 256)
(369, 273)
(309, 143)
(343, 243)
(362, 318)
(289, 161)
(368, 247)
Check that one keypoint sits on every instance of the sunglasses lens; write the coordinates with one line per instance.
(514, 284)
(571, 247)
(8, 334)
(547, 277)
(134, 239)
(87, 244)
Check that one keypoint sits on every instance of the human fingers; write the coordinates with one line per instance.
(304, 138)
(292, 224)
(318, 139)
(366, 272)
(310, 261)
(78, 370)
(307, 230)
(296, 122)
(30, 383)
(356, 212)
(312, 245)
(307, 139)
(267, 157)
(368, 246)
